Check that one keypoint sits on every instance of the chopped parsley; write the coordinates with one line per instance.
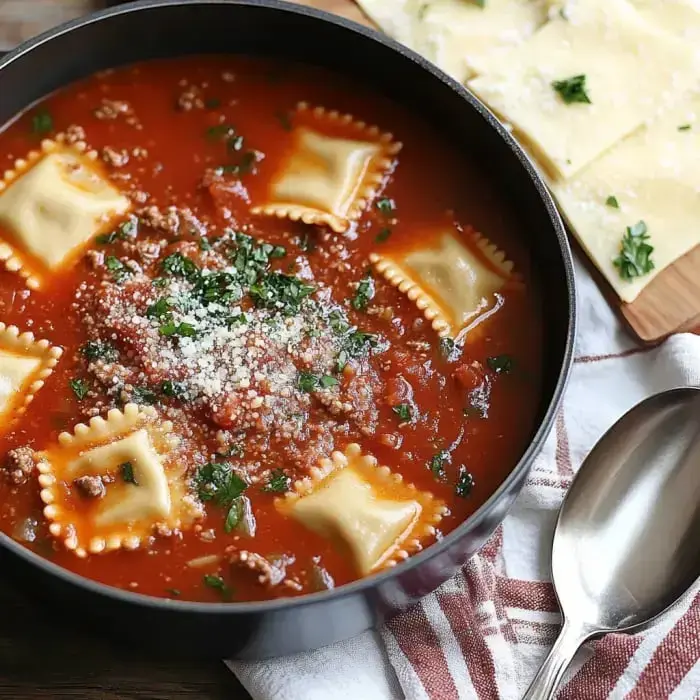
(244, 165)
(307, 243)
(500, 364)
(217, 482)
(364, 293)
(479, 3)
(285, 120)
(126, 230)
(280, 292)
(385, 206)
(127, 472)
(447, 348)
(383, 235)
(118, 269)
(355, 345)
(307, 382)
(42, 122)
(218, 584)
(403, 411)
(612, 202)
(635, 253)
(212, 103)
(174, 390)
(465, 483)
(338, 323)
(80, 388)
(98, 350)
(173, 591)
(572, 90)
(160, 310)
(221, 132)
(437, 464)
(327, 381)
(277, 483)
(177, 265)
(204, 244)
(144, 396)
(182, 330)
(685, 127)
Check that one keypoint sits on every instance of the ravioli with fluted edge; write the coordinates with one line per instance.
(25, 363)
(325, 178)
(109, 484)
(364, 508)
(454, 278)
(51, 204)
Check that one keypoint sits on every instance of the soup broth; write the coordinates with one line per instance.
(297, 347)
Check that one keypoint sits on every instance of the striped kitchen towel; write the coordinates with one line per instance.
(484, 633)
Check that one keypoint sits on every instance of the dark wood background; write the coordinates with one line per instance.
(41, 659)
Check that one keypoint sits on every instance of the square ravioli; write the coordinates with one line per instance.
(585, 80)
(454, 34)
(364, 509)
(25, 363)
(652, 177)
(332, 169)
(454, 278)
(51, 205)
(115, 483)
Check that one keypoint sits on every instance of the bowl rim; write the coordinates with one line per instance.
(367, 583)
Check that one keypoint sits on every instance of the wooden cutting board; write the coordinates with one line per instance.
(671, 302)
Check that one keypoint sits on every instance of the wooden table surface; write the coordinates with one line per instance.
(39, 660)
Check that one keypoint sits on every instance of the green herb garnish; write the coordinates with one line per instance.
(403, 411)
(42, 122)
(97, 350)
(355, 345)
(363, 294)
(173, 591)
(144, 396)
(217, 482)
(500, 364)
(307, 382)
(285, 120)
(278, 482)
(280, 292)
(327, 381)
(383, 235)
(447, 347)
(118, 269)
(385, 206)
(174, 390)
(612, 202)
(127, 472)
(685, 127)
(634, 259)
(465, 483)
(218, 584)
(178, 265)
(572, 89)
(182, 330)
(126, 230)
(437, 464)
(80, 388)
(160, 309)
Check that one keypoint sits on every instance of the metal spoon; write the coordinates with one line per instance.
(625, 545)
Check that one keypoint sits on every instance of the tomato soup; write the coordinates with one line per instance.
(263, 331)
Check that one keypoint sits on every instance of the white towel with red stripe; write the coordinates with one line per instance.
(483, 634)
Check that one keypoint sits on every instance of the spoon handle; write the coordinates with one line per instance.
(545, 683)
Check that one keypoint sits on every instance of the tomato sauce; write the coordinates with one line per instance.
(203, 136)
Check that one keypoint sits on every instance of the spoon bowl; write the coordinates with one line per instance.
(624, 547)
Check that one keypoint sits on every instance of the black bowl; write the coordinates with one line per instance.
(161, 28)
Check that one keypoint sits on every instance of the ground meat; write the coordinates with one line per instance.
(111, 109)
(20, 464)
(269, 574)
(115, 158)
(190, 98)
(172, 221)
(90, 486)
(75, 134)
(95, 259)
